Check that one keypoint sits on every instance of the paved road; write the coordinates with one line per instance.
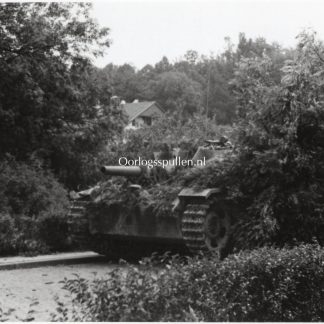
(20, 287)
(19, 262)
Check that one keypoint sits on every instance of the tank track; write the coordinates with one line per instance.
(193, 221)
(198, 235)
(78, 223)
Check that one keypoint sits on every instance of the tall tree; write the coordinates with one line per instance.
(48, 103)
(176, 92)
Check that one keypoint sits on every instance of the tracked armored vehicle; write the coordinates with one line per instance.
(198, 221)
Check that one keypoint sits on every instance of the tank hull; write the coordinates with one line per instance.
(137, 223)
(197, 223)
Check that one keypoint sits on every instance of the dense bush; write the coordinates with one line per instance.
(27, 189)
(262, 285)
(166, 131)
(33, 209)
(277, 176)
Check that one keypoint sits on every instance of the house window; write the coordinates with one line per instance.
(147, 121)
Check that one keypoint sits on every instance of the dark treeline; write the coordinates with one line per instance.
(194, 84)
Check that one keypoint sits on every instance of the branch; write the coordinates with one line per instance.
(318, 54)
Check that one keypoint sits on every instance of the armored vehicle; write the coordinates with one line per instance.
(198, 221)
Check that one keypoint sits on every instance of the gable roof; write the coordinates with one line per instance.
(135, 109)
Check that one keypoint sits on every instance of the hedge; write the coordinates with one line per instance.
(266, 284)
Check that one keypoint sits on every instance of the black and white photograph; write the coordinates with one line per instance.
(162, 161)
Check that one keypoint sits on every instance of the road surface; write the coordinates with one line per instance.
(19, 288)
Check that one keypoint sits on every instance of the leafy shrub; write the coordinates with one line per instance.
(53, 231)
(8, 234)
(262, 285)
(33, 209)
(27, 189)
(20, 235)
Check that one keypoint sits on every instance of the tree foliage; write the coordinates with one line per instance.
(278, 175)
(48, 98)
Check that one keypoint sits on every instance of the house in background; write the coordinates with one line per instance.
(142, 113)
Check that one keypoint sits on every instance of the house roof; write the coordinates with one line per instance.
(135, 109)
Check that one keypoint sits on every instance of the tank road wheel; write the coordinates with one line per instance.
(205, 229)
(78, 223)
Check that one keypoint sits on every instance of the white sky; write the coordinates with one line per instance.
(144, 31)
